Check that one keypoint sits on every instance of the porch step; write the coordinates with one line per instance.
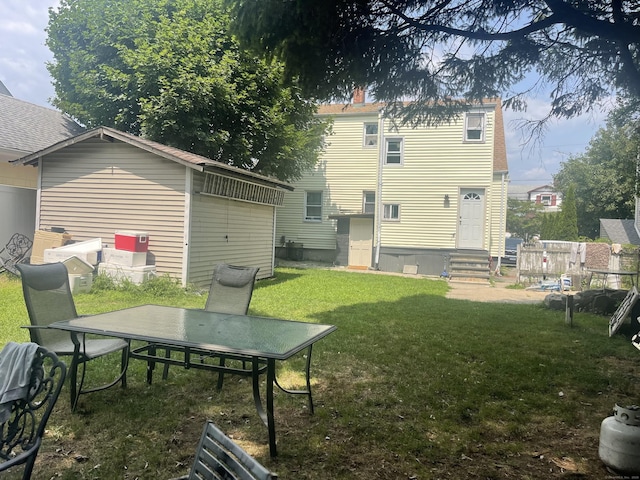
(469, 267)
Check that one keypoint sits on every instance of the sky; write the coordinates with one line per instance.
(23, 57)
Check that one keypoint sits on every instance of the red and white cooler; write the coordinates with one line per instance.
(131, 241)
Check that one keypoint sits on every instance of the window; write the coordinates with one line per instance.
(391, 211)
(313, 207)
(545, 200)
(368, 202)
(474, 127)
(393, 153)
(370, 135)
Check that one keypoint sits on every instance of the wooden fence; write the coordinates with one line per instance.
(546, 261)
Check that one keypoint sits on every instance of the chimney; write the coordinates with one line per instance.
(358, 96)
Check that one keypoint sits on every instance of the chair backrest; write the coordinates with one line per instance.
(231, 289)
(47, 295)
(21, 434)
(219, 457)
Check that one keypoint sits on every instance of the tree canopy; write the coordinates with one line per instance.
(605, 176)
(446, 54)
(170, 70)
(524, 218)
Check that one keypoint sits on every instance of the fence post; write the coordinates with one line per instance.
(568, 313)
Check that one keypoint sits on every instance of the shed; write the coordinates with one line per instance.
(197, 212)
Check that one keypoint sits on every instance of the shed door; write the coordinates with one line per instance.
(360, 242)
(471, 221)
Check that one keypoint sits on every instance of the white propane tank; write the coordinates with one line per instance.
(620, 440)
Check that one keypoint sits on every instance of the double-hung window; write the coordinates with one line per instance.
(393, 151)
(313, 206)
(368, 202)
(391, 212)
(474, 127)
(370, 135)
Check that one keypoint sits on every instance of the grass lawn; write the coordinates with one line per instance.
(411, 386)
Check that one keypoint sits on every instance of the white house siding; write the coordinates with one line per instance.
(229, 231)
(95, 188)
(436, 163)
(342, 174)
(498, 215)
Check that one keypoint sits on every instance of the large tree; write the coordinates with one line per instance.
(605, 176)
(441, 52)
(524, 218)
(170, 70)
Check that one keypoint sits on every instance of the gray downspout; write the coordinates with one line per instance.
(502, 230)
(378, 214)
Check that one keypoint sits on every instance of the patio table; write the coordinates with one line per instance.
(605, 274)
(263, 340)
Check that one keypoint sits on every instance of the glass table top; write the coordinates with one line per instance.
(258, 336)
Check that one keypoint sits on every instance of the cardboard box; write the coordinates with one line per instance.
(43, 240)
(132, 241)
(124, 257)
(135, 275)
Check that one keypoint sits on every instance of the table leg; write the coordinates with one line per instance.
(306, 392)
(265, 415)
(151, 364)
(75, 362)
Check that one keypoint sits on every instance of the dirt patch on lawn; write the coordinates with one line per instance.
(501, 290)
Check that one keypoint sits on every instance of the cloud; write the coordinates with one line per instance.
(24, 54)
(536, 158)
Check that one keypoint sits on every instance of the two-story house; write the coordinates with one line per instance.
(397, 198)
(545, 195)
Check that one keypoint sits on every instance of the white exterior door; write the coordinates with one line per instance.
(471, 218)
(360, 242)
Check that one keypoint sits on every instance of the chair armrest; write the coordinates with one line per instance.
(34, 327)
(185, 477)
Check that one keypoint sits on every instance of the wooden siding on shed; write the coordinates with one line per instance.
(228, 231)
(96, 188)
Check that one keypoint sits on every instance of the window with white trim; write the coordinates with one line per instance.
(313, 207)
(370, 135)
(393, 151)
(368, 202)
(474, 127)
(391, 212)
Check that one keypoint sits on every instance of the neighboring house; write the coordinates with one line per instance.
(197, 212)
(24, 128)
(396, 198)
(545, 195)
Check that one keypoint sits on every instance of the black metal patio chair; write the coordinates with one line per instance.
(230, 292)
(23, 419)
(14, 252)
(220, 458)
(48, 298)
